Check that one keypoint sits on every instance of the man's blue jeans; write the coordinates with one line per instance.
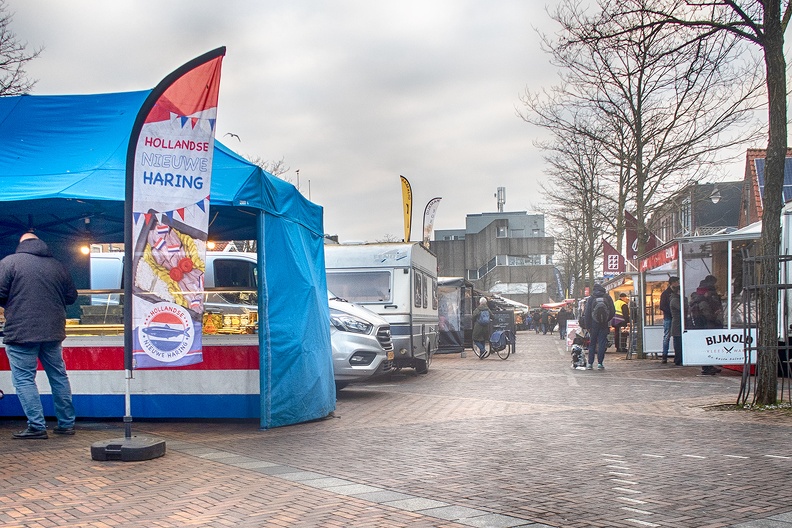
(23, 359)
(666, 336)
(598, 342)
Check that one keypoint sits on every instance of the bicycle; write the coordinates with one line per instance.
(500, 342)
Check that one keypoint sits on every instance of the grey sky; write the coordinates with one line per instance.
(352, 93)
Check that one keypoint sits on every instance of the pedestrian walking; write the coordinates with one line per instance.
(665, 307)
(562, 318)
(481, 322)
(545, 317)
(599, 311)
(34, 290)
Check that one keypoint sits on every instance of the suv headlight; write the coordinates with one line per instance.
(349, 323)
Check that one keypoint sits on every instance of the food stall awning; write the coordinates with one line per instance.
(63, 173)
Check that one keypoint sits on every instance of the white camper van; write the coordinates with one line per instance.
(399, 282)
(361, 340)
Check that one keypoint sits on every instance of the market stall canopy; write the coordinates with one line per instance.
(558, 305)
(63, 160)
(63, 172)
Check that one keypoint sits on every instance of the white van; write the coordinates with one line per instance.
(361, 339)
(399, 282)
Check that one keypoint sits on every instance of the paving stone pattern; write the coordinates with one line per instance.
(528, 441)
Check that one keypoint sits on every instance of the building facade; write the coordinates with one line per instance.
(507, 253)
(698, 209)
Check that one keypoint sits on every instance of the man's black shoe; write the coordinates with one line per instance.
(63, 430)
(31, 434)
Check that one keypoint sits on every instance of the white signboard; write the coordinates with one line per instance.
(716, 346)
(572, 331)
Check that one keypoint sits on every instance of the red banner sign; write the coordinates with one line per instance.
(663, 256)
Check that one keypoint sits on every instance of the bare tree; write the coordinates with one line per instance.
(574, 198)
(759, 23)
(659, 110)
(534, 276)
(14, 56)
(276, 168)
(387, 237)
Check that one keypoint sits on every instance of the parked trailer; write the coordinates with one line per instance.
(397, 281)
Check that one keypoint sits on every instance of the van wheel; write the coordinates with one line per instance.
(422, 365)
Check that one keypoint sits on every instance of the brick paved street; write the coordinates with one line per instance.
(522, 442)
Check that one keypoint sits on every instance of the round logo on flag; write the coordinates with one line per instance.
(167, 332)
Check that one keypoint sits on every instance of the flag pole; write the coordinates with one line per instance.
(131, 448)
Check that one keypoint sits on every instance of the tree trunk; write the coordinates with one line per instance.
(775, 65)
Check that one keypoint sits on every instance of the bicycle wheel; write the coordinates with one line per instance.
(477, 351)
(504, 352)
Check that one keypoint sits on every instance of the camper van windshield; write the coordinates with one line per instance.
(361, 286)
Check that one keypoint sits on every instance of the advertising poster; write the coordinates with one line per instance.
(430, 211)
(573, 326)
(170, 214)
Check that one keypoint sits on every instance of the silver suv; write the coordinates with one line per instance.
(361, 341)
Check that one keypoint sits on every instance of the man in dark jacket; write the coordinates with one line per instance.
(598, 326)
(665, 307)
(35, 290)
(562, 318)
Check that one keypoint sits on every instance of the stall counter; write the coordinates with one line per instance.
(224, 385)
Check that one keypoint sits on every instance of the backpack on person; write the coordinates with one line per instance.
(484, 317)
(599, 311)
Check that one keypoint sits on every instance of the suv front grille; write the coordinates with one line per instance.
(384, 338)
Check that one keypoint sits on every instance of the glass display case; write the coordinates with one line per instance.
(101, 312)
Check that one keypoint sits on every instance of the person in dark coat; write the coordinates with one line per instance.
(480, 331)
(598, 331)
(665, 307)
(34, 290)
(537, 320)
(709, 311)
(675, 305)
(562, 318)
(545, 318)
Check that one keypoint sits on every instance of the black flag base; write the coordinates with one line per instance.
(133, 449)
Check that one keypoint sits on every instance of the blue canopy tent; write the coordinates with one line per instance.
(62, 173)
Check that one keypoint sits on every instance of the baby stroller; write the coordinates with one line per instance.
(579, 345)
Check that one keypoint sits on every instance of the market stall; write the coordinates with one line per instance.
(62, 173)
(712, 263)
(625, 283)
(455, 311)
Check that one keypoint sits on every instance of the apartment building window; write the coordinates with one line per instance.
(502, 231)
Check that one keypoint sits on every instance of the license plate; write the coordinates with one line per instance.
(391, 355)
